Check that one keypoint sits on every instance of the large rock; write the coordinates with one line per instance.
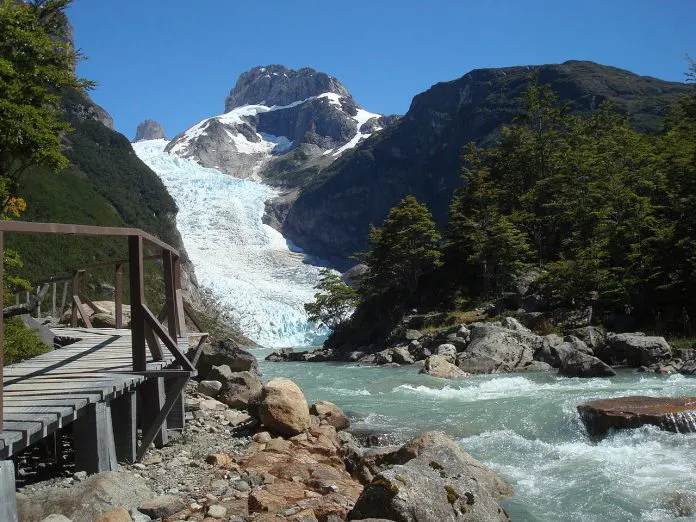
(226, 353)
(103, 317)
(448, 351)
(163, 506)
(670, 414)
(439, 366)
(634, 350)
(432, 479)
(401, 355)
(495, 349)
(85, 501)
(578, 364)
(239, 389)
(331, 413)
(283, 407)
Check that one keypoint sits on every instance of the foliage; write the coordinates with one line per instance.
(36, 63)
(20, 342)
(403, 250)
(334, 303)
(605, 212)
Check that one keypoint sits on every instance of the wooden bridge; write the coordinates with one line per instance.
(109, 382)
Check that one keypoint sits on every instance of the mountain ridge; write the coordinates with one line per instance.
(419, 153)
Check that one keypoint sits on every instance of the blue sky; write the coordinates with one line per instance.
(175, 61)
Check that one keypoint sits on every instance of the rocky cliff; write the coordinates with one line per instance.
(420, 153)
(280, 125)
(149, 130)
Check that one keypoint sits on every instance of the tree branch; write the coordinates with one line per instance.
(28, 307)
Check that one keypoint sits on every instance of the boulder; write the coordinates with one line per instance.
(448, 351)
(413, 335)
(579, 364)
(86, 500)
(432, 479)
(671, 414)
(163, 506)
(119, 514)
(592, 336)
(283, 407)
(535, 366)
(209, 388)
(331, 413)
(103, 317)
(513, 324)
(240, 389)
(439, 366)
(226, 353)
(418, 351)
(401, 355)
(634, 350)
(56, 518)
(494, 349)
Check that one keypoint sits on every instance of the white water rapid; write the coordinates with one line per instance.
(246, 264)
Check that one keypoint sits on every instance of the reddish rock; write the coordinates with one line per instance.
(677, 414)
(218, 459)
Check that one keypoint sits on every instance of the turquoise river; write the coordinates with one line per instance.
(525, 426)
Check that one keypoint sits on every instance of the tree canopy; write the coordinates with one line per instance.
(37, 61)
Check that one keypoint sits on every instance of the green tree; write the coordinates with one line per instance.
(37, 62)
(334, 303)
(402, 251)
(481, 240)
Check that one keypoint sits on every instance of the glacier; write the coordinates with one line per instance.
(247, 265)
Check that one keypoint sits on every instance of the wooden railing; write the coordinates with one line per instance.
(146, 329)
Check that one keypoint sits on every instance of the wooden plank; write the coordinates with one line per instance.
(137, 297)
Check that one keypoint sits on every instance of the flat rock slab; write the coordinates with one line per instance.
(677, 414)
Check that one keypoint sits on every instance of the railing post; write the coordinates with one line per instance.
(170, 293)
(75, 296)
(178, 298)
(137, 297)
(65, 295)
(53, 302)
(2, 331)
(118, 297)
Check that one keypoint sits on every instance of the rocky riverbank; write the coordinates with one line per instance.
(508, 346)
(276, 458)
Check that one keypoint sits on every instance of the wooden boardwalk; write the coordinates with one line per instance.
(45, 393)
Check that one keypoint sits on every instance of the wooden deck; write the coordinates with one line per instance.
(47, 392)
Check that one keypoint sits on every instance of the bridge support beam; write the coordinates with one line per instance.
(93, 434)
(151, 398)
(8, 497)
(124, 417)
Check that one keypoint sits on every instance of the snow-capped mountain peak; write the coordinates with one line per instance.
(272, 111)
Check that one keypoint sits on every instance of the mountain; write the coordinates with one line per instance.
(278, 122)
(419, 154)
(106, 184)
(149, 130)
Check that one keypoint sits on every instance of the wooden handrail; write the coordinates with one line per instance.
(27, 227)
(143, 322)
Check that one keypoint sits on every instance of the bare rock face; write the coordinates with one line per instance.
(278, 85)
(149, 130)
(283, 407)
(670, 414)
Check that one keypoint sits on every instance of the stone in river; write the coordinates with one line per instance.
(677, 414)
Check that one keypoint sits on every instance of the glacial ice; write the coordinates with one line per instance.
(247, 265)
